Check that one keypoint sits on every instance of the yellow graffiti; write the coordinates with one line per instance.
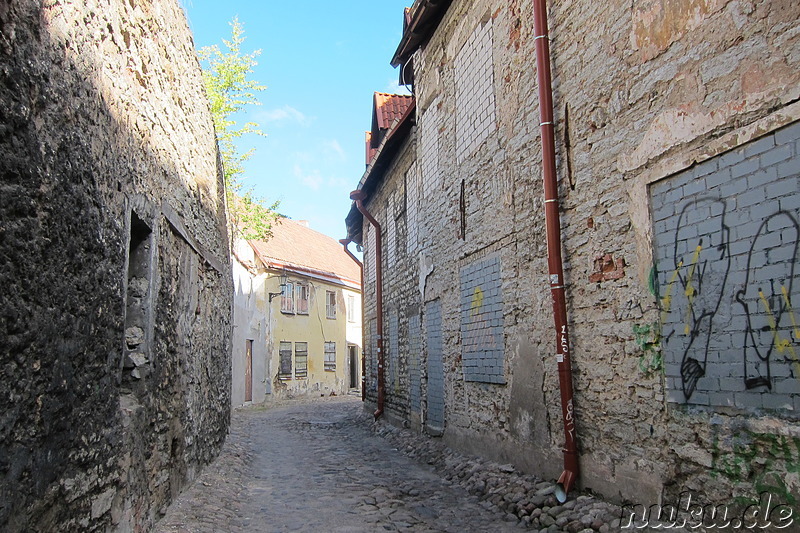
(795, 329)
(690, 290)
(477, 301)
(666, 301)
(781, 345)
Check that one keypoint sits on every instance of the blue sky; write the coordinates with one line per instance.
(321, 62)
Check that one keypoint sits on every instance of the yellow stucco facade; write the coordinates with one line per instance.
(309, 348)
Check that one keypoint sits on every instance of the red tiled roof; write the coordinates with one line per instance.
(370, 150)
(389, 107)
(296, 247)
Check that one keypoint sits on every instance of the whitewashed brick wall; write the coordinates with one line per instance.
(475, 102)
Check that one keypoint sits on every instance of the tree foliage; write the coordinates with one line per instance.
(230, 90)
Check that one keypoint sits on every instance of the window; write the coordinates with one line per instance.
(330, 308)
(287, 298)
(285, 371)
(330, 356)
(300, 360)
(301, 299)
(351, 308)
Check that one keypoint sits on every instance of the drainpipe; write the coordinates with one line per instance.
(554, 261)
(345, 243)
(358, 198)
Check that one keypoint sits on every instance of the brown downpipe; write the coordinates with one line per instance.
(345, 243)
(358, 198)
(554, 260)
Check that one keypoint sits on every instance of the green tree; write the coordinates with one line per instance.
(228, 87)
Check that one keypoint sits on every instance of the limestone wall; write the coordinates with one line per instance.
(114, 329)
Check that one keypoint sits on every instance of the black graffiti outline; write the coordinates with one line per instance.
(691, 368)
(751, 332)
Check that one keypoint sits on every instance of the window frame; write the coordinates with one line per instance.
(282, 361)
(329, 348)
(351, 308)
(300, 360)
(330, 305)
(287, 298)
(301, 288)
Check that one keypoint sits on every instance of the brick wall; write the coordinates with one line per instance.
(726, 245)
(482, 322)
(435, 371)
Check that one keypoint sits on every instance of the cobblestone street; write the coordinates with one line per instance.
(323, 465)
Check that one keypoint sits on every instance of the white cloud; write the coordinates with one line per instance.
(394, 87)
(313, 180)
(284, 114)
(336, 148)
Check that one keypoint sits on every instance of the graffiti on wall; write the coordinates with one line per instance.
(698, 313)
(701, 264)
(772, 327)
(482, 338)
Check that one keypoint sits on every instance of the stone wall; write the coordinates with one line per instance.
(114, 329)
(657, 106)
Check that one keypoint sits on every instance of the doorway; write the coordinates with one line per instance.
(352, 352)
(248, 372)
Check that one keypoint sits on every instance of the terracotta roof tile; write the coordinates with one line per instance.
(389, 107)
(298, 247)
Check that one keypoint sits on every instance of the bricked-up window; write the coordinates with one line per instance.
(726, 237)
(351, 308)
(330, 356)
(301, 302)
(300, 360)
(330, 306)
(285, 371)
(475, 99)
(287, 298)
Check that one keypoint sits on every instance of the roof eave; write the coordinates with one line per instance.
(425, 19)
(374, 172)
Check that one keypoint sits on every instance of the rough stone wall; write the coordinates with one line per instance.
(114, 329)
(644, 93)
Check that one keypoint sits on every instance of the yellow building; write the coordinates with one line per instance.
(297, 316)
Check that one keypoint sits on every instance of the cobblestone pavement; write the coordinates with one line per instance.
(324, 465)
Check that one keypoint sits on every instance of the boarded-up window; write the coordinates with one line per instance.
(286, 360)
(330, 307)
(300, 360)
(301, 302)
(330, 356)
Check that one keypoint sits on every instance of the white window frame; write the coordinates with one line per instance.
(330, 305)
(300, 360)
(351, 308)
(330, 356)
(287, 298)
(302, 299)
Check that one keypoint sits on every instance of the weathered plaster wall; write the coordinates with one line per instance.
(314, 329)
(114, 329)
(250, 323)
(642, 92)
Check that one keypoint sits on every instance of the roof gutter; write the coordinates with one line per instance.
(426, 16)
(554, 259)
